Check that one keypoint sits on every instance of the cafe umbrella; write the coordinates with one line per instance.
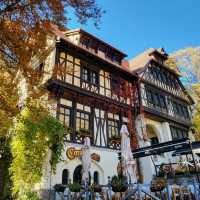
(128, 163)
(86, 159)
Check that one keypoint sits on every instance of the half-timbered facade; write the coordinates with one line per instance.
(92, 94)
(93, 91)
(165, 104)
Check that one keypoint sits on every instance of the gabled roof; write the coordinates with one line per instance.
(139, 63)
(60, 34)
(79, 30)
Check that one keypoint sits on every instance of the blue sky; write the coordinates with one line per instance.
(136, 25)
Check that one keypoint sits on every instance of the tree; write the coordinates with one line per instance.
(188, 60)
(25, 27)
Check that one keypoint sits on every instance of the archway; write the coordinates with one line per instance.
(151, 134)
(96, 177)
(65, 176)
(77, 176)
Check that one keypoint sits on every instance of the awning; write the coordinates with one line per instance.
(195, 149)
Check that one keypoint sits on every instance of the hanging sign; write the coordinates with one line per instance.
(73, 153)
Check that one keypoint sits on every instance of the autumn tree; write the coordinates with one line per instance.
(188, 61)
(25, 29)
(25, 26)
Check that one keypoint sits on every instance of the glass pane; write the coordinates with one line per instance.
(69, 68)
(78, 114)
(62, 110)
(61, 117)
(86, 117)
(77, 61)
(87, 125)
(79, 106)
(107, 83)
(87, 108)
(77, 125)
(102, 91)
(82, 115)
(62, 54)
(67, 111)
(69, 78)
(108, 93)
(77, 81)
(67, 120)
(116, 117)
(69, 57)
(82, 124)
(77, 70)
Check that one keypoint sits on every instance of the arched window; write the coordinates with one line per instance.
(77, 176)
(96, 177)
(65, 175)
(151, 134)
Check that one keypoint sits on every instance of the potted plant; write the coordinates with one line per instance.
(119, 184)
(96, 188)
(59, 187)
(74, 187)
(158, 184)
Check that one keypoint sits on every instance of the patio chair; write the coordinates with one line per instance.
(185, 194)
(176, 193)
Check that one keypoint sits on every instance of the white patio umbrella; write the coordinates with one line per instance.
(86, 159)
(128, 163)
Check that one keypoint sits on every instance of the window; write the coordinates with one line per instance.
(113, 125)
(65, 175)
(68, 68)
(83, 117)
(94, 78)
(178, 133)
(77, 176)
(82, 120)
(163, 102)
(180, 110)
(96, 177)
(90, 76)
(154, 140)
(115, 85)
(85, 74)
(64, 114)
(156, 100)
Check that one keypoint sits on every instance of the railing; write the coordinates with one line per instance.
(166, 113)
(114, 144)
(182, 169)
(134, 191)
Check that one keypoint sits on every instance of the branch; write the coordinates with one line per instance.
(10, 7)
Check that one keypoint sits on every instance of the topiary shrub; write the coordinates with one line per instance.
(59, 187)
(74, 187)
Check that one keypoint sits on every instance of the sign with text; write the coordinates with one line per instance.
(73, 153)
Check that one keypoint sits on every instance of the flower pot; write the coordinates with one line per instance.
(97, 189)
(59, 188)
(119, 188)
(157, 187)
(75, 187)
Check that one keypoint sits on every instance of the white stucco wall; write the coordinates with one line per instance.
(107, 166)
(162, 130)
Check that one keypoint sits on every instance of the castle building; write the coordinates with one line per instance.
(165, 104)
(94, 91)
